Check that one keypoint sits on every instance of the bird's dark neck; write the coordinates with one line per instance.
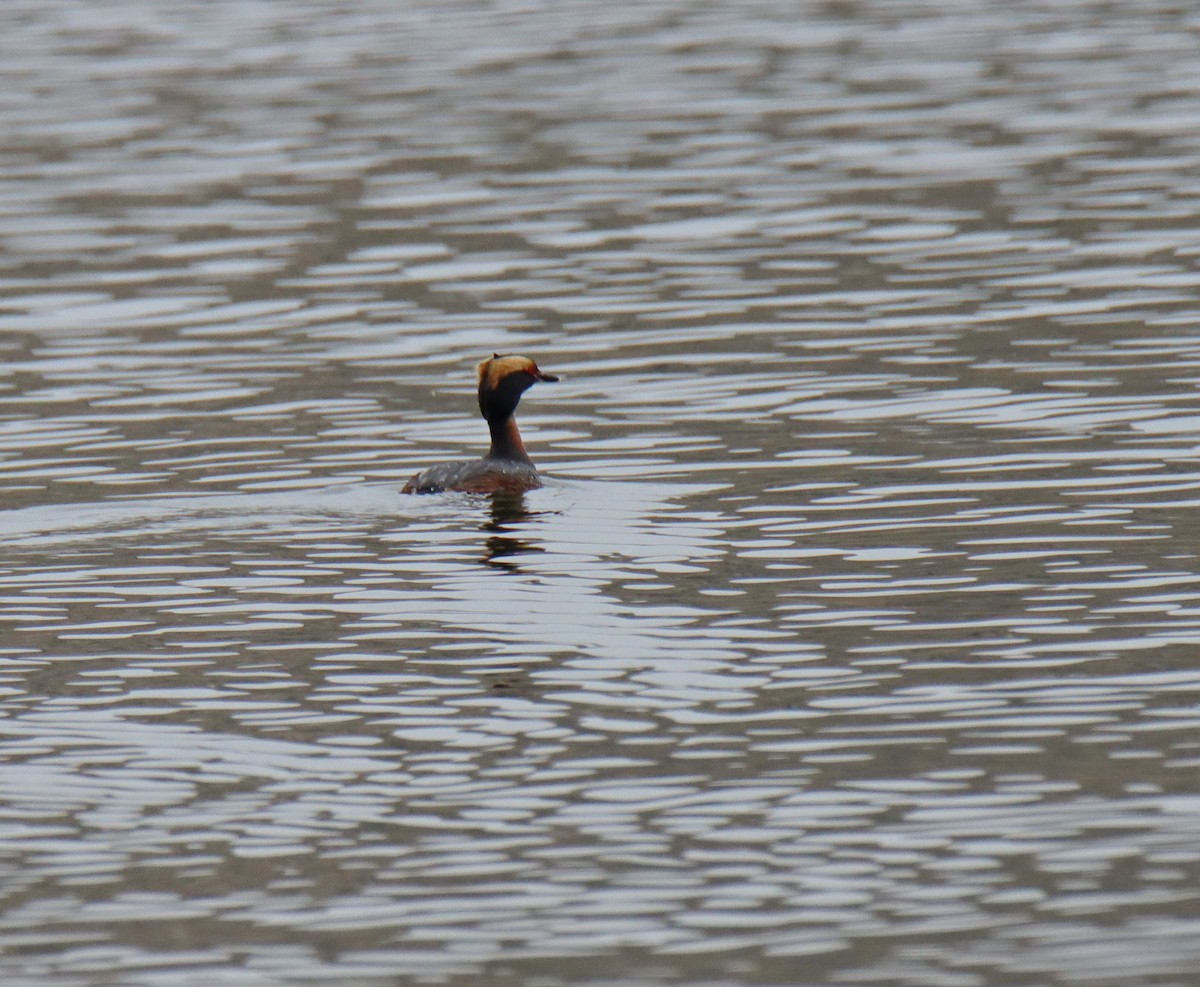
(506, 441)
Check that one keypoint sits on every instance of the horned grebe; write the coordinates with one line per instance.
(507, 466)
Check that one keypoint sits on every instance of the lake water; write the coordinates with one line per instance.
(853, 639)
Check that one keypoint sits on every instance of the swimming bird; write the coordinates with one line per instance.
(507, 466)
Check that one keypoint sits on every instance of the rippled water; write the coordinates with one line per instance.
(853, 637)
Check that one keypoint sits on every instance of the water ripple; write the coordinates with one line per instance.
(854, 627)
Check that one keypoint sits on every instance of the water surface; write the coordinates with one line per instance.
(852, 639)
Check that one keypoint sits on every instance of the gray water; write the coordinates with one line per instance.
(853, 639)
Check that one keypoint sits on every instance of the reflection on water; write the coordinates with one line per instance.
(852, 639)
(508, 509)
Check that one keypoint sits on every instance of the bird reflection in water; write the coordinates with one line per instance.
(508, 508)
